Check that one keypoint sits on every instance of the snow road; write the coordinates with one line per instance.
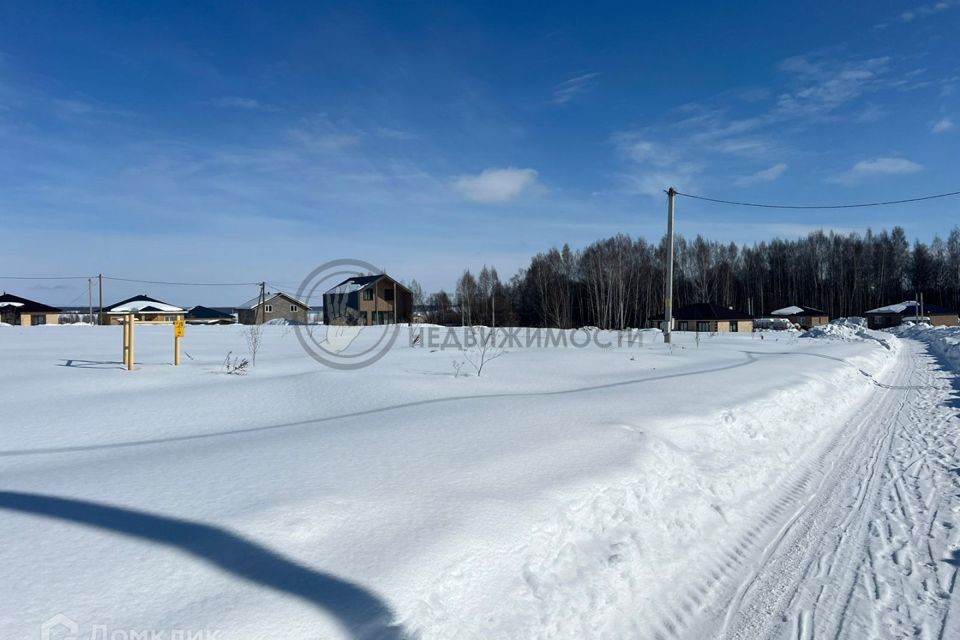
(862, 541)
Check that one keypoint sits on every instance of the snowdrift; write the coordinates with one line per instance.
(847, 330)
(945, 341)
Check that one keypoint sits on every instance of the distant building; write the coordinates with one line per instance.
(895, 314)
(368, 300)
(209, 315)
(144, 308)
(27, 313)
(806, 317)
(773, 324)
(706, 317)
(275, 306)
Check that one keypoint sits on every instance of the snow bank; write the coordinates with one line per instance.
(851, 321)
(848, 331)
(945, 341)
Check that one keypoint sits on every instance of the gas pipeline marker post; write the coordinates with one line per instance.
(179, 329)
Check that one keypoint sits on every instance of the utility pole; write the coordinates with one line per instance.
(100, 316)
(261, 311)
(90, 298)
(668, 289)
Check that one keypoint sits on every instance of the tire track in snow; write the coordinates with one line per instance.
(731, 573)
(860, 546)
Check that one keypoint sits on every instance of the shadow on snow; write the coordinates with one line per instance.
(361, 613)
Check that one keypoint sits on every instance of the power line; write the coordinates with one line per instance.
(826, 206)
(179, 284)
(46, 278)
(187, 284)
(291, 293)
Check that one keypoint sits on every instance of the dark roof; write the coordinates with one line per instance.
(362, 281)
(142, 297)
(207, 313)
(706, 311)
(29, 306)
(807, 311)
(268, 296)
(913, 310)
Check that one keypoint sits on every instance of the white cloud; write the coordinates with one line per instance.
(569, 89)
(77, 110)
(395, 134)
(496, 185)
(321, 135)
(710, 139)
(237, 102)
(323, 142)
(656, 166)
(824, 84)
(876, 167)
(927, 10)
(765, 175)
(942, 125)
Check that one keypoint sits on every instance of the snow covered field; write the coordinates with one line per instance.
(566, 493)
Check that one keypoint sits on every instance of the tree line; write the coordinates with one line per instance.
(618, 282)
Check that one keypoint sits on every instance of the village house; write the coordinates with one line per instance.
(706, 317)
(209, 315)
(368, 300)
(806, 317)
(27, 313)
(895, 314)
(144, 309)
(274, 306)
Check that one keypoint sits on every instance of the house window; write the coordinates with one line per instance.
(368, 294)
(35, 320)
(293, 307)
(388, 294)
(703, 325)
(682, 326)
(169, 319)
(268, 308)
(734, 327)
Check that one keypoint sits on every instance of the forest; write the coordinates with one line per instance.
(618, 282)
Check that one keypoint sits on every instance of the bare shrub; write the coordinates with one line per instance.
(485, 351)
(235, 365)
(254, 336)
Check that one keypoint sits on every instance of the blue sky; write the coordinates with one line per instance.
(252, 141)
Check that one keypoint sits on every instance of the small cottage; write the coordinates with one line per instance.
(274, 306)
(144, 308)
(27, 313)
(209, 315)
(706, 317)
(895, 314)
(368, 300)
(806, 317)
